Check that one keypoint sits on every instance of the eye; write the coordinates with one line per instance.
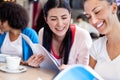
(64, 17)
(53, 19)
(97, 12)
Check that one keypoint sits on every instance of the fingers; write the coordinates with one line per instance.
(23, 63)
(63, 66)
(35, 60)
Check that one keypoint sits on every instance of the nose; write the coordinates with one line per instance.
(60, 23)
(94, 19)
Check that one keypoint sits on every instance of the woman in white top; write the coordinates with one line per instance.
(105, 52)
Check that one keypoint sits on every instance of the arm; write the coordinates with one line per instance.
(29, 58)
(79, 50)
(34, 60)
(92, 62)
(84, 45)
(32, 34)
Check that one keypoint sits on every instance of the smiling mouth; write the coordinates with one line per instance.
(59, 29)
(100, 25)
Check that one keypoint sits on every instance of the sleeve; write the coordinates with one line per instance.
(40, 35)
(95, 49)
(84, 45)
(32, 34)
(27, 51)
(2, 37)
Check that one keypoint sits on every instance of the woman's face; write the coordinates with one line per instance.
(100, 14)
(4, 27)
(58, 20)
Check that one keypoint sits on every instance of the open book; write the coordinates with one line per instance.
(78, 72)
(49, 61)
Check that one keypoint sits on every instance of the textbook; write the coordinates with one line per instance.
(78, 72)
(49, 61)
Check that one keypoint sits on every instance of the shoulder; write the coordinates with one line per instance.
(28, 30)
(98, 47)
(31, 33)
(100, 41)
(41, 31)
(2, 37)
(82, 37)
(3, 34)
(99, 44)
(40, 34)
(80, 30)
(82, 33)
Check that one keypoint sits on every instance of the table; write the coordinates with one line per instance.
(30, 74)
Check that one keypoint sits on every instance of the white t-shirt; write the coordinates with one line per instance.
(105, 67)
(12, 47)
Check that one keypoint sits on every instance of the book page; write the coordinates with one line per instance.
(49, 61)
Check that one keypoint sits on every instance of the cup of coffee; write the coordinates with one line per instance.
(13, 62)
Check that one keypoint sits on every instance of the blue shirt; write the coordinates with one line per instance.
(27, 51)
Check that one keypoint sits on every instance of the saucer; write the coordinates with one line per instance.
(19, 70)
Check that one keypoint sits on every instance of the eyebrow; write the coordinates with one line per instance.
(94, 8)
(61, 16)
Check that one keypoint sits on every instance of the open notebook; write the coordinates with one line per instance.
(49, 62)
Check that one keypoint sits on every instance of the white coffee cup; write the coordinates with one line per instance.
(13, 62)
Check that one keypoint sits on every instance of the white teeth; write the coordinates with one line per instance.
(59, 29)
(99, 25)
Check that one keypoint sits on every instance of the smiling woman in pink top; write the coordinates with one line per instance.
(67, 43)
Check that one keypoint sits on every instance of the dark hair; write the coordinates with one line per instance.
(56, 3)
(15, 14)
(47, 35)
(81, 16)
(40, 22)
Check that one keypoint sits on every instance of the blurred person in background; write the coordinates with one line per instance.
(81, 21)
